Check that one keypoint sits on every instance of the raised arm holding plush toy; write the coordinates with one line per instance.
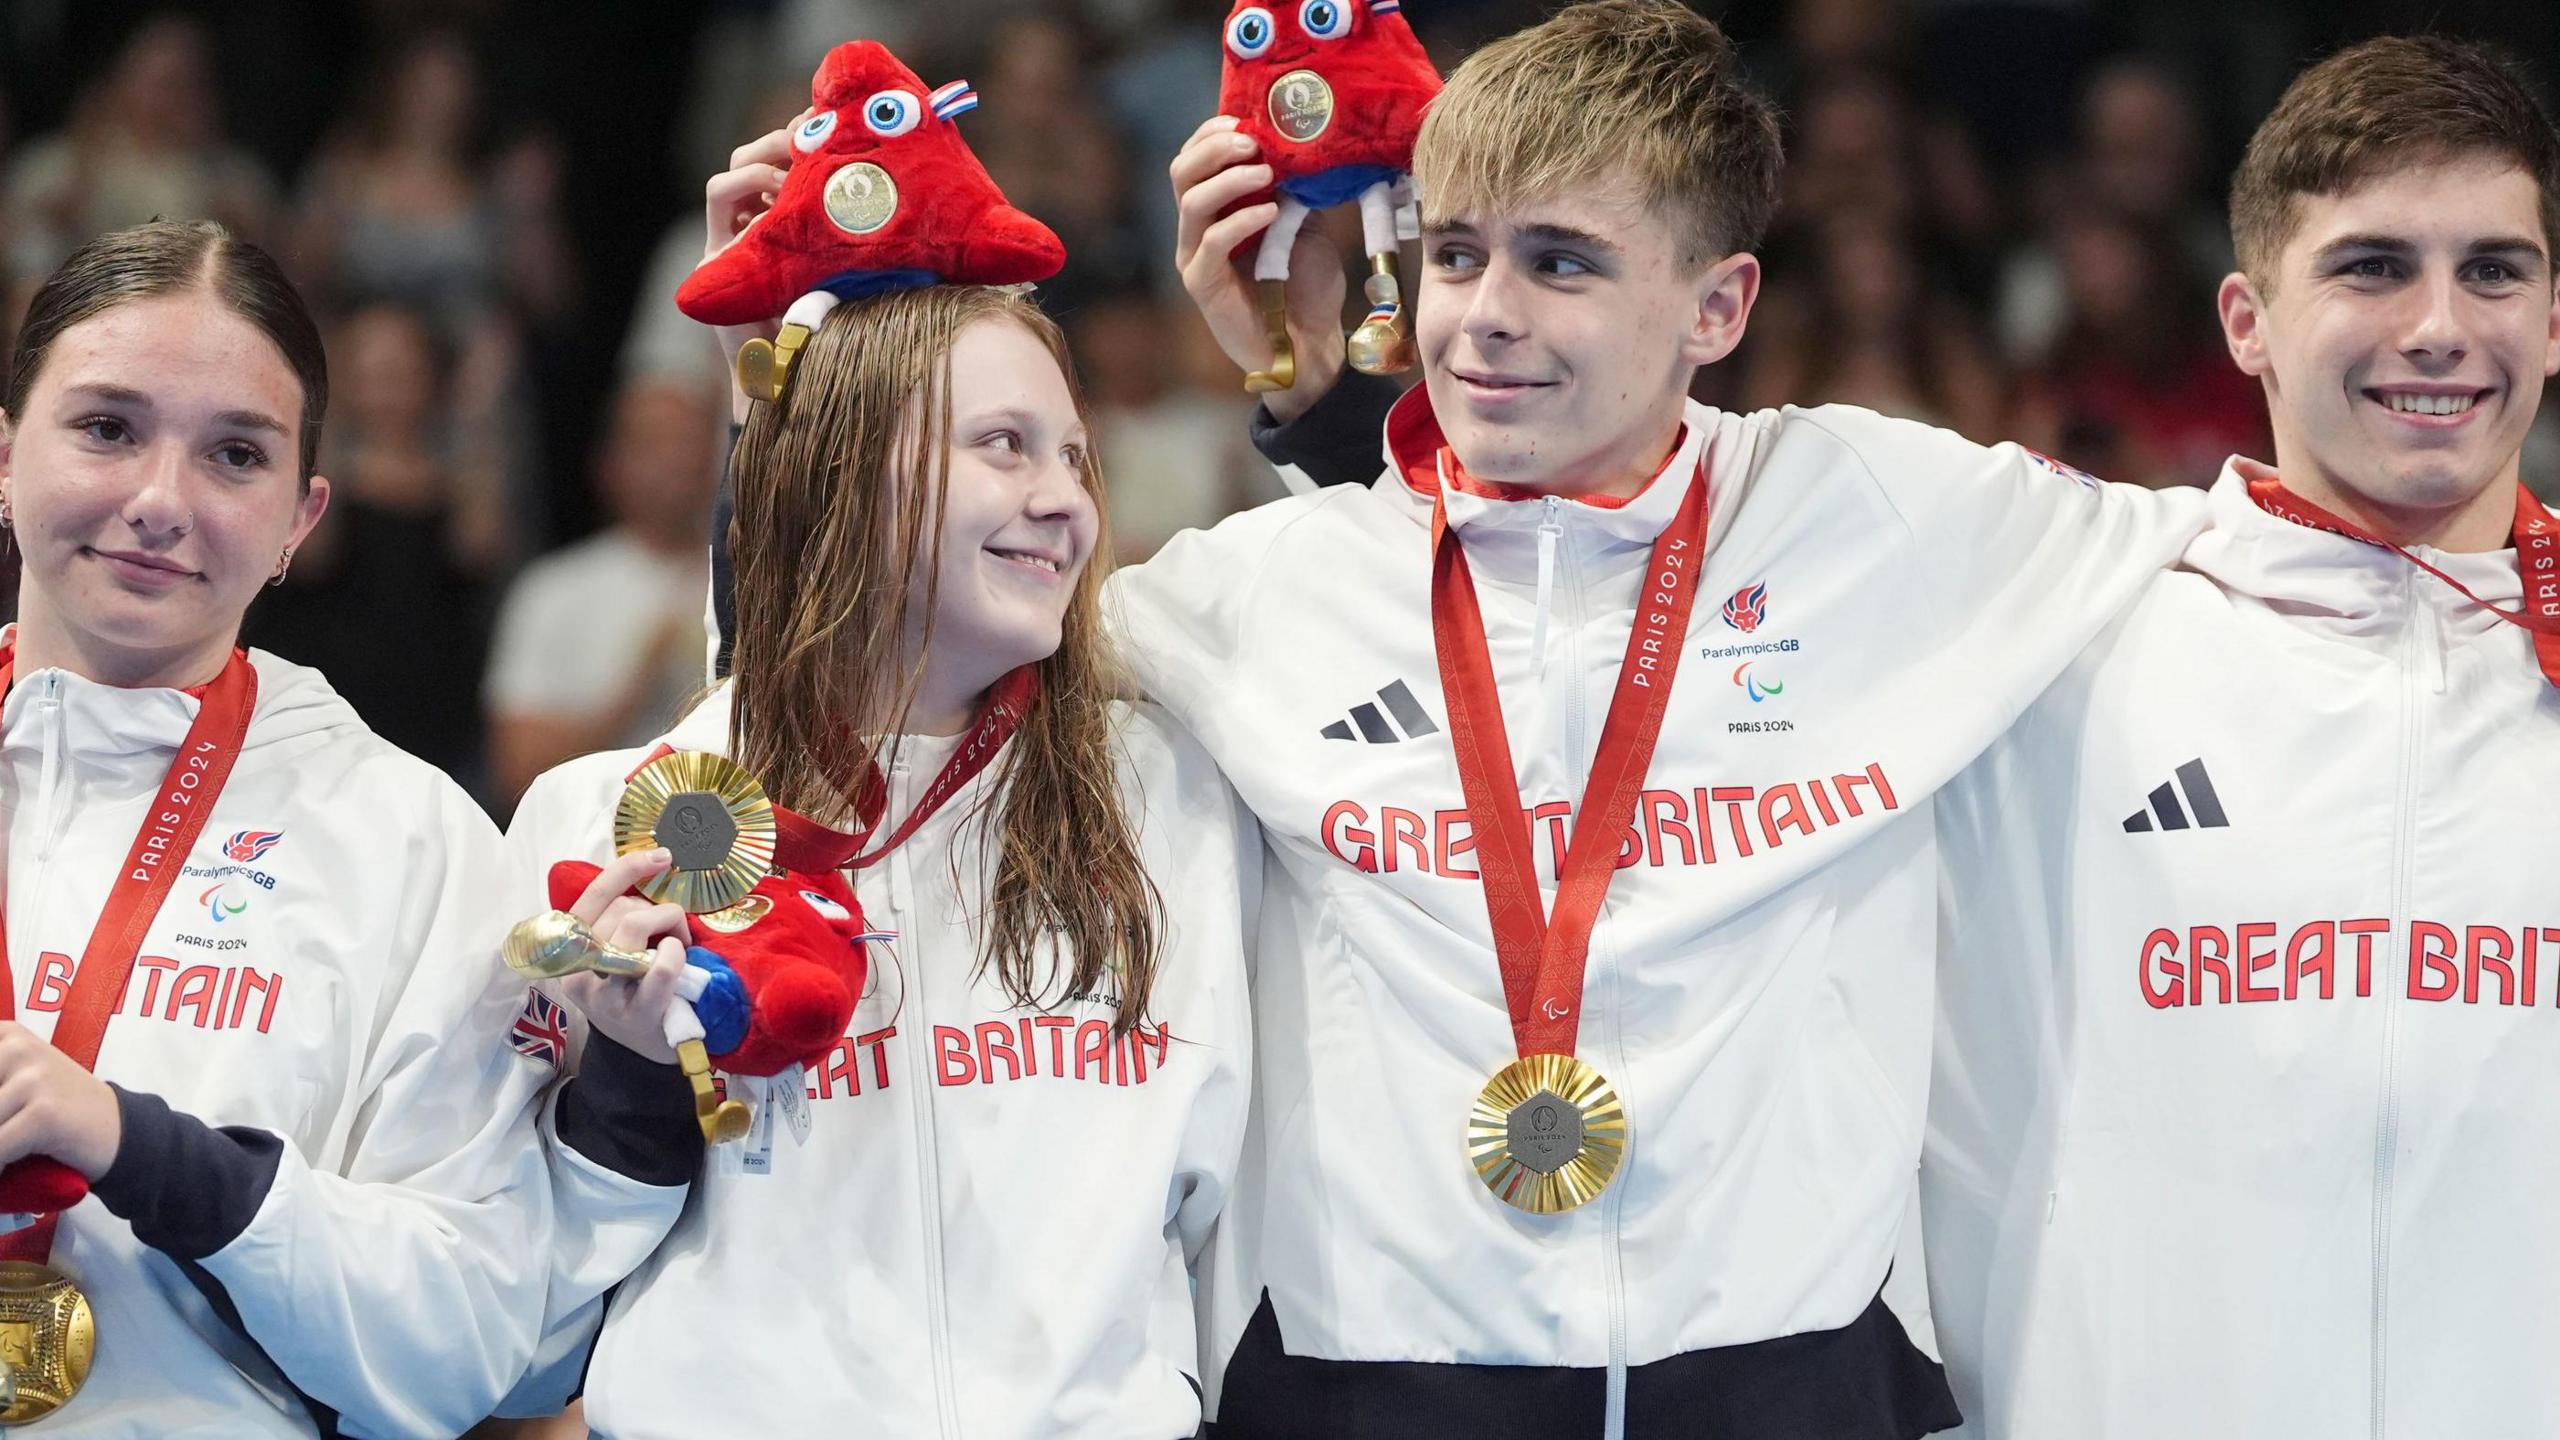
(1331, 92)
(999, 1166)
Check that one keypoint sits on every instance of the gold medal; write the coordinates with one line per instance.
(1301, 105)
(861, 197)
(47, 1338)
(707, 812)
(1546, 1134)
(737, 917)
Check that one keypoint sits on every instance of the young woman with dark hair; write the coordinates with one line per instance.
(250, 1005)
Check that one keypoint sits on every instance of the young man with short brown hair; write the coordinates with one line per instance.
(2239, 1124)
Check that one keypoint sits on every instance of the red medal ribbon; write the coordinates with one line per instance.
(1543, 960)
(179, 811)
(2537, 542)
(804, 845)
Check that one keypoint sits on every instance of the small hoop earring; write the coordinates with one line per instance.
(284, 562)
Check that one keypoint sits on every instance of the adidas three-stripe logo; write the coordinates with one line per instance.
(1373, 726)
(2200, 802)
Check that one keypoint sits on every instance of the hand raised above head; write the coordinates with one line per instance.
(731, 200)
(1217, 168)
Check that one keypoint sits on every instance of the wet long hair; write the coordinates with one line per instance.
(839, 492)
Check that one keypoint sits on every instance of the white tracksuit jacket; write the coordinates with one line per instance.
(1879, 600)
(322, 975)
(2243, 1119)
(988, 1233)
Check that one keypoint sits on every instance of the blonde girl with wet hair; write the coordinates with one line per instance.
(983, 1220)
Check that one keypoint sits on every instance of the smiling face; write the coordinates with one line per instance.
(1558, 336)
(153, 480)
(1019, 519)
(2404, 346)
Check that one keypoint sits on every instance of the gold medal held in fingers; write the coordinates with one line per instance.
(707, 812)
(1546, 1134)
(47, 1339)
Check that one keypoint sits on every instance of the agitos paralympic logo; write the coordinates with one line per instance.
(1756, 687)
(218, 903)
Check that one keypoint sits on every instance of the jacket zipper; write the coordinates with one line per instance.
(51, 812)
(2422, 668)
(902, 902)
(1550, 530)
(1578, 769)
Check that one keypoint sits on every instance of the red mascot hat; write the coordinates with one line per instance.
(883, 194)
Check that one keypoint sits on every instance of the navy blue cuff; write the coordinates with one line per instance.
(186, 1188)
(631, 1115)
(1337, 441)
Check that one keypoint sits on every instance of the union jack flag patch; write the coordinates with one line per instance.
(2072, 473)
(541, 1029)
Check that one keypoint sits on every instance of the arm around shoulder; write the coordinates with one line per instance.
(2021, 552)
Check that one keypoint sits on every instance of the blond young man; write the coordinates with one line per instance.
(1595, 745)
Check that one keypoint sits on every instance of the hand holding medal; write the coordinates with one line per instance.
(59, 1130)
(693, 834)
(772, 983)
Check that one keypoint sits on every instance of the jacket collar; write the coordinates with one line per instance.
(108, 721)
(2333, 583)
(1420, 463)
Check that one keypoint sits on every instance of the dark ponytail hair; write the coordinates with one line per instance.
(171, 257)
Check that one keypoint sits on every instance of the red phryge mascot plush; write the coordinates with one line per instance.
(883, 194)
(1333, 92)
(795, 963)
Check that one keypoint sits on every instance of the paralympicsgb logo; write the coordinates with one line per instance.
(1748, 607)
(248, 845)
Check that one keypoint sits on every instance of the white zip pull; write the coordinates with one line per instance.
(2431, 646)
(50, 723)
(1550, 530)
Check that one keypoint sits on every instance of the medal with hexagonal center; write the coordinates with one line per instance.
(696, 829)
(1546, 1132)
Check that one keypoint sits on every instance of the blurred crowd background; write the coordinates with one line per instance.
(2000, 215)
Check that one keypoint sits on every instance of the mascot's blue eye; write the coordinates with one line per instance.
(1249, 34)
(891, 113)
(825, 907)
(1325, 19)
(813, 132)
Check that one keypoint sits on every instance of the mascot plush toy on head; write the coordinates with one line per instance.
(1333, 92)
(882, 194)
